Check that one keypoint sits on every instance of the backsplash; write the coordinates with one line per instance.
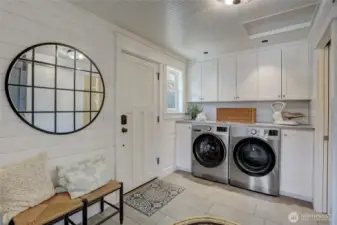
(264, 112)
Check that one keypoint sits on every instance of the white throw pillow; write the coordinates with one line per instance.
(84, 177)
(23, 185)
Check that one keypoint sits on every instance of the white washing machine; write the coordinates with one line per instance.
(210, 145)
(254, 159)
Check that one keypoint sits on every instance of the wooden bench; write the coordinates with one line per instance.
(61, 207)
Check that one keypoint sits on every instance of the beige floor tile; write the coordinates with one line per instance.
(192, 200)
(166, 221)
(114, 221)
(199, 187)
(234, 200)
(178, 210)
(141, 218)
(326, 222)
(279, 213)
(235, 215)
(271, 223)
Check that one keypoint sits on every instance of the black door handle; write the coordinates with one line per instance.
(124, 130)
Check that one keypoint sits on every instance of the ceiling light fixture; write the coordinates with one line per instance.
(232, 2)
(71, 54)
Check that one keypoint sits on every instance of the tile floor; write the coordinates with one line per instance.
(207, 198)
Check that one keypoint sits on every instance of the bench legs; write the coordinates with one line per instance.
(102, 204)
(121, 205)
(85, 213)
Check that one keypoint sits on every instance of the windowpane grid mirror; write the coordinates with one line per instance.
(55, 88)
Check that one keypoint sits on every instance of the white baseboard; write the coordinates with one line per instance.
(166, 171)
(183, 169)
(303, 198)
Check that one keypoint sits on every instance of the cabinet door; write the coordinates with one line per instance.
(183, 147)
(269, 77)
(227, 78)
(295, 72)
(194, 83)
(209, 81)
(296, 164)
(247, 76)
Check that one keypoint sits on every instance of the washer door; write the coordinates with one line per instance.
(209, 150)
(254, 157)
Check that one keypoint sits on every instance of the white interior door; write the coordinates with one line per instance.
(137, 99)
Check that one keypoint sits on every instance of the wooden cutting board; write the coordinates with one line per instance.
(236, 115)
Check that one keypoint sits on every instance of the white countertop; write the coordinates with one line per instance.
(301, 126)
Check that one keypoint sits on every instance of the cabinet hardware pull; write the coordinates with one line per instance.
(285, 135)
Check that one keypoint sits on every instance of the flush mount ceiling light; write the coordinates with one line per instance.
(71, 54)
(233, 2)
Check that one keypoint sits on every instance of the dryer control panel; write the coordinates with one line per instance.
(264, 132)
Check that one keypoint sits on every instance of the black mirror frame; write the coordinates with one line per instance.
(8, 73)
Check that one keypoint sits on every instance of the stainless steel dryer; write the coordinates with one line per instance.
(254, 159)
(209, 152)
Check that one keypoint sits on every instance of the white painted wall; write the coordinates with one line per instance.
(25, 23)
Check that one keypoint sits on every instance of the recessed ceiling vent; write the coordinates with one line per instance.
(291, 20)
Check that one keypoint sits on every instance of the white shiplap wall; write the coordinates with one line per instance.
(24, 23)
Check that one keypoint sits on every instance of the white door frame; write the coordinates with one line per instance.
(321, 159)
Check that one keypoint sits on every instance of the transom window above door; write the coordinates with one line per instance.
(174, 91)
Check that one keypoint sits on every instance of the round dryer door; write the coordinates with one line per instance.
(254, 157)
(209, 150)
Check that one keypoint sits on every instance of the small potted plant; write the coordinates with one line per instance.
(193, 110)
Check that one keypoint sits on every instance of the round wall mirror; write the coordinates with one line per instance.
(55, 88)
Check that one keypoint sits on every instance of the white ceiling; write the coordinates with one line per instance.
(190, 27)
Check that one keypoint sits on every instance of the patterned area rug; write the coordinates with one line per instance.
(153, 196)
(205, 221)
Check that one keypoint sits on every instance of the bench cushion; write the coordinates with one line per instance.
(49, 210)
(101, 192)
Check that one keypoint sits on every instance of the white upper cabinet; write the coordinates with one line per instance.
(269, 74)
(295, 72)
(246, 79)
(194, 81)
(209, 78)
(227, 78)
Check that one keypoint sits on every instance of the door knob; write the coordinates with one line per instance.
(124, 130)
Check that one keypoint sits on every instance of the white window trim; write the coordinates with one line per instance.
(173, 114)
